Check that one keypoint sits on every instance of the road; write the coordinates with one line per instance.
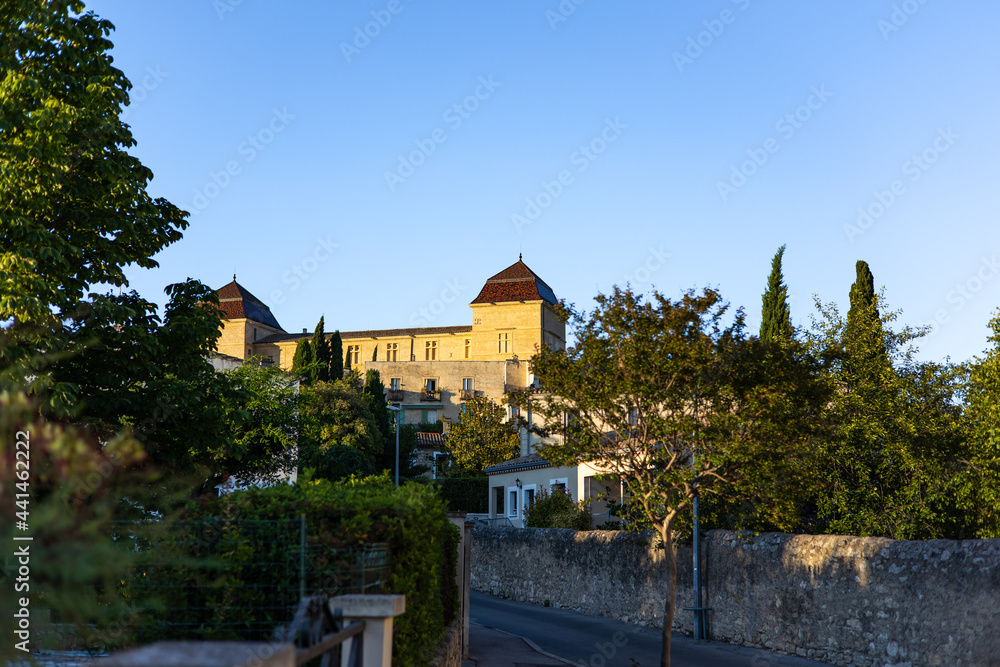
(594, 641)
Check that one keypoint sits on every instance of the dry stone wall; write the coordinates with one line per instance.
(842, 600)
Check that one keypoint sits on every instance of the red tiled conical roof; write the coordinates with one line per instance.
(237, 303)
(516, 283)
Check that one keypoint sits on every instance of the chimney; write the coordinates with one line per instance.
(304, 330)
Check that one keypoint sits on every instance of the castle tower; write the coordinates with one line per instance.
(246, 320)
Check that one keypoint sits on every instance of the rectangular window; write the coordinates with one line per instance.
(430, 384)
(467, 384)
(432, 416)
(529, 498)
(468, 344)
(512, 511)
(390, 351)
(503, 341)
(498, 499)
(430, 350)
(357, 351)
(395, 384)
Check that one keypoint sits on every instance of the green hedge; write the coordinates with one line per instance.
(462, 494)
(411, 520)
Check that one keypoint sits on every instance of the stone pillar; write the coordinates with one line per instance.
(377, 611)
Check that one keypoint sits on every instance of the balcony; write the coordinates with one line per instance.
(430, 395)
(394, 396)
(468, 394)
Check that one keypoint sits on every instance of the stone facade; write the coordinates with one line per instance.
(842, 600)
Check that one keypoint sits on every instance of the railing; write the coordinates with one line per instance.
(508, 388)
(468, 394)
(495, 522)
(431, 395)
(312, 621)
(395, 396)
(358, 628)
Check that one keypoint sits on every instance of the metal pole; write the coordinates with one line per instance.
(699, 614)
(398, 414)
(302, 557)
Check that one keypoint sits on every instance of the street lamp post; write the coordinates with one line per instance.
(398, 409)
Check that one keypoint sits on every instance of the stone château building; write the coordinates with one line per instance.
(430, 371)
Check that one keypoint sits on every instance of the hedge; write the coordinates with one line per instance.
(463, 494)
(411, 520)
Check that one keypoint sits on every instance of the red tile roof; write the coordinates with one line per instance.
(237, 303)
(515, 283)
(376, 333)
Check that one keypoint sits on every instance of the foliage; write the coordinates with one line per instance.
(482, 437)
(897, 441)
(411, 520)
(463, 494)
(264, 437)
(321, 355)
(75, 487)
(74, 211)
(977, 486)
(336, 414)
(663, 395)
(336, 356)
(776, 320)
(557, 510)
(374, 394)
(302, 362)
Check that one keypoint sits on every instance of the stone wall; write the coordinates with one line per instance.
(843, 600)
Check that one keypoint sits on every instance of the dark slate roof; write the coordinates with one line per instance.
(529, 462)
(435, 440)
(237, 303)
(516, 283)
(374, 333)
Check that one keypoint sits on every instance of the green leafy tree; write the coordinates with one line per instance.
(482, 436)
(321, 355)
(302, 362)
(336, 414)
(74, 209)
(665, 396)
(893, 454)
(776, 319)
(977, 486)
(337, 357)
(263, 436)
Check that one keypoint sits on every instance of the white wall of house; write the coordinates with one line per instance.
(579, 481)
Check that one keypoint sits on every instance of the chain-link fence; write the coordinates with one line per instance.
(221, 579)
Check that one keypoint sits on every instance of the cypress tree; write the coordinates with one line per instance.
(864, 338)
(302, 360)
(374, 391)
(375, 353)
(336, 357)
(776, 319)
(321, 354)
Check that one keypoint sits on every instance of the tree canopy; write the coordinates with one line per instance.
(483, 436)
(670, 398)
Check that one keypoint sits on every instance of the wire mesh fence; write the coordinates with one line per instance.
(222, 579)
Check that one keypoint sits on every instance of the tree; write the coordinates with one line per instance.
(264, 443)
(977, 486)
(866, 357)
(74, 209)
(375, 353)
(374, 394)
(321, 355)
(482, 436)
(336, 414)
(892, 457)
(336, 357)
(665, 396)
(303, 360)
(776, 320)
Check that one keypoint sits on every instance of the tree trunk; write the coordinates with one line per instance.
(668, 610)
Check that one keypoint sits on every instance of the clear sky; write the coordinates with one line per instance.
(376, 161)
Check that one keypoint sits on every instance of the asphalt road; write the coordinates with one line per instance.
(593, 641)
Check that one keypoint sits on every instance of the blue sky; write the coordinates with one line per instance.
(375, 162)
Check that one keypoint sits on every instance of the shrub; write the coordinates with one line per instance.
(557, 510)
(411, 520)
(463, 494)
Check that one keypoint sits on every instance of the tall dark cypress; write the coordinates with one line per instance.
(864, 338)
(336, 357)
(776, 318)
(321, 354)
(302, 360)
